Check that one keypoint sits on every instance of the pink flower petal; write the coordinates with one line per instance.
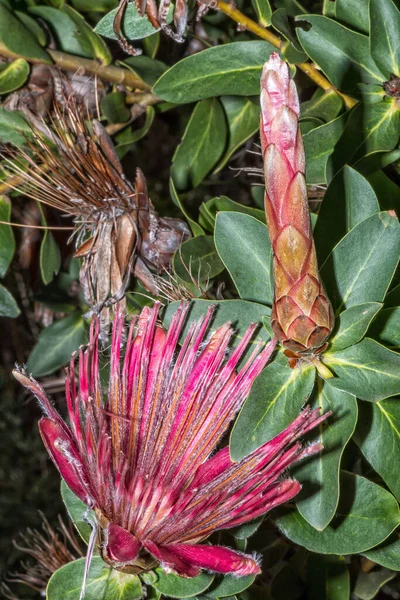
(122, 546)
(170, 561)
(66, 458)
(216, 558)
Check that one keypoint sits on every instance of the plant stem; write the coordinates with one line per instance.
(308, 68)
(68, 62)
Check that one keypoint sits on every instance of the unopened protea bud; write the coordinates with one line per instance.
(302, 316)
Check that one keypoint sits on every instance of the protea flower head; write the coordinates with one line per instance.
(302, 317)
(141, 455)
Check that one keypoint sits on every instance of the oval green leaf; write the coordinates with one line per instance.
(13, 75)
(202, 144)
(275, 400)
(366, 515)
(56, 344)
(368, 370)
(134, 26)
(17, 38)
(385, 36)
(173, 586)
(342, 54)
(386, 328)
(228, 585)
(8, 306)
(386, 554)
(349, 200)
(321, 473)
(7, 240)
(77, 510)
(378, 437)
(251, 267)
(231, 69)
(352, 324)
(103, 583)
(360, 268)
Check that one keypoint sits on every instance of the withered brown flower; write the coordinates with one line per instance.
(51, 548)
(74, 167)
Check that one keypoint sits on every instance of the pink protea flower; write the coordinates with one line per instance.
(141, 456)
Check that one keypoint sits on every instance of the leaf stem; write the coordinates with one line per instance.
(307, 67)
(69, 62)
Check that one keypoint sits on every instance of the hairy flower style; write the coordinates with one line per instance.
(302, 317)
(77, 171)
(142, 456)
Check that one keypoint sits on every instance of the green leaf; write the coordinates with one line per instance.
(362, 265)
(319, 144)
(17, 38)
(56, 344)
(94, 5)
(251, 268)
(33, 27)
(8, 306)
(228, 585)
(352, 324)
(386, 328)
(239, 312)
(386, 554)
(349, 200)
(202, 144)
(13, 127)
(7, 240)
(114, 108)
(343, 55)
(199, 257)
(195, 227)
(99, 48)
(385, 36)
(321, 473)
(263, 10)
(291, 50)
(134, 27)
(13, 75)
(173, 586)
(243, 116)
(209, 210)
(275, 400)
(126, 139)
(146, 68)
(70, 36)
(367, 370)
(378, 437)
(367, 585)
(353, 13)
(230, 69)
(327, 578)
(325, 106)
(103, 583)
(78, 511)
(370, 128)
(50, 257)
(366, 516)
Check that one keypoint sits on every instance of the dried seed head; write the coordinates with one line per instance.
(74, 168)
(50, 548)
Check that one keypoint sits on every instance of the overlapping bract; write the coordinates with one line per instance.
(302, 316)
(141, 456)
